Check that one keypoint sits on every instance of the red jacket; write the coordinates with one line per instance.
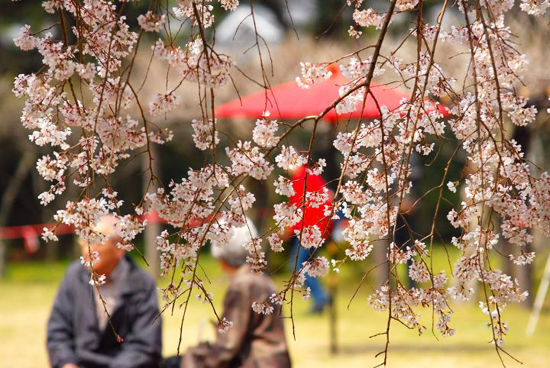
(312, 216)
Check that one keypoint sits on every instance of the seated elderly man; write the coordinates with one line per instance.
(254, 340)
(118, 327)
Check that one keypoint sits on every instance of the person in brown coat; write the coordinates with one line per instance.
(253, 340)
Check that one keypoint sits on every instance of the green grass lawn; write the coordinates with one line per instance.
(26, 296)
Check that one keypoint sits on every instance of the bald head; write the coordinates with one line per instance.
(108, 226)
(109, 254)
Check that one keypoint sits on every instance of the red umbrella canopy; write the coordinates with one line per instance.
(288, 101)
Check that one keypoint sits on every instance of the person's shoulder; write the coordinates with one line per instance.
(139, 275)
(75, 269)
(252, 281)
(74, 276)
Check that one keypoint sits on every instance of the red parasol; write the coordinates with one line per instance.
(289, 101)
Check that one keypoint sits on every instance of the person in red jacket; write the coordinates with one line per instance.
(313, 216)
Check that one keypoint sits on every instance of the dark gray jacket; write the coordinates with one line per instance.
(74, 335)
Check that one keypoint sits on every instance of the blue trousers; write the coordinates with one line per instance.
(320, 297)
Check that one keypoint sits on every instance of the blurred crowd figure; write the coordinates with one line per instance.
(254, 339)
(120, 326)
(406, 223)
(312, 216)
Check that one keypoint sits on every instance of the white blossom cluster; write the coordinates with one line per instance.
(500, 183)
(151, 22)
(312, 74)
(205, 135)
(192, 64)
(264, 133)
(83, 106)
(290, 159)
(316, 267)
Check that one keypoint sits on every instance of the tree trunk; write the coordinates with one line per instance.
(9, 196)
(3, 251)
(152, 230)
(524, 274)
(380, 255)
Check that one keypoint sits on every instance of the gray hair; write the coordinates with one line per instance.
(234, 253)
